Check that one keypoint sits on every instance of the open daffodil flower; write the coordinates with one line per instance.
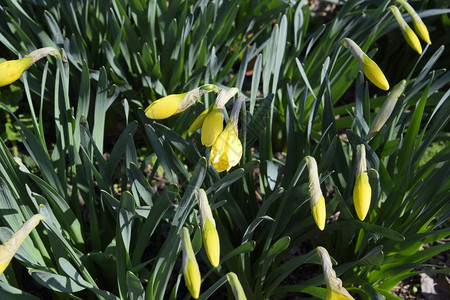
(367, 65)
(226, 152)
(11, 70)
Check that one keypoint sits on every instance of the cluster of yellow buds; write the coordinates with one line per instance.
(210, 237)
(10, 247)
(335, 290)
(226, 151)
(418, 24)
(409, 35)
(11, 70)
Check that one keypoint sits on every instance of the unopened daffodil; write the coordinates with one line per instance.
(9, 248)
(367, 65)
(209, 231)
(190, 268)
(173, 104)
(362, 192)
(335, 290)
(226, 152)
(236, 286)
(418, 24)
(11, 70)
(317, 200)
(409, 35)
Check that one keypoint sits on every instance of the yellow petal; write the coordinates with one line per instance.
(211, 242)
(236, 286)
(374, 73)
(192, 278)
(362, 194)
(164, 107)
(226, 151)
(198, 122)
(212, 127)
(320, 213)
(11, 70)
(9, 248)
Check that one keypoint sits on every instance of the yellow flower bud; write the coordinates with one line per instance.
(226, 152)
(209, 231)
(317, 200)
(190, 268)
(173, 104)
(236, 286)
(386, 110)
(418, 24)
(410, 37)
(11, 70)
(9, 248)
(362, 191)
(211, 120)
(335, 290)
(367, 65)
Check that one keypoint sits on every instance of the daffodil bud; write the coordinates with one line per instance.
(190, 268)
(173, 104)
(317, 200)
(418, 24)
(226, 152)
(410, 37)
(362, 192)
(11, 70)
(335, 290)
(367, 65)
(9, 248)
(211, 120)
(386, 110)
(209, 231)
(236, 286)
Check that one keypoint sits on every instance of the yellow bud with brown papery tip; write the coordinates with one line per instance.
(317, 201)
(9, 248)
(418, 24)
(362, 192)
(190, 268)
(236, 286)
(335, 290)
(367, 65)
(409, 35)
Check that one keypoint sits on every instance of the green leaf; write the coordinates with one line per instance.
(135, 289)
(55, 282)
